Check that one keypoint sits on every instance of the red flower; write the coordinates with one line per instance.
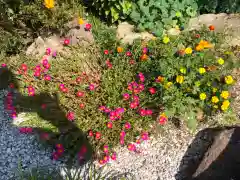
(24, 67)
(81, 105)
(80, 94)
(66, 42)
(109, 125)
(47, 66)
(78, 79)
(47, 78)
(106, 52)
(152, 90)
(90, 133)
(88, 27)
(65, 90)
(127, 125)
(37, 73)
(70, 116)
(98, 135)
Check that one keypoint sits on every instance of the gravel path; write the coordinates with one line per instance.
(16, 147)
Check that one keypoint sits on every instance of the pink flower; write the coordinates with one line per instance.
(44, 62)
(91, 87)
(136, 98)
(162, 119)
(128, 53)
(24, 67)
(47, 66)
(133, 105)
(98, 135)
(138, 141)
(59, 146)
(142, 112)
(37, 68)
(105, 149)
(106, 158)
(62, 86)
(145, 50)
(112, 118)
(47, 78)
(70, 116)
(152, 90)
(48, 51)
(55, 156)
(130, 87)
(140, 75)
(131, 147)
(101, 162)
(66, 42)
(113, 113)
(122, 141)
(90, 133)
(127, 125)
(4, 65)
(102, 108)
(141, 87)
(122, 134)
(114, 156)
(145, 136)
(88, 27)
(106, 52)
(126, 96)
(37, 73)
(107, 110)
(149, 112)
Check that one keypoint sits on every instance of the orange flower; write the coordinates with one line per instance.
(144, 57)
(160, 79)
(199, 48)
(49, 4)
(205, 44)
(119, 49)
(211, 28)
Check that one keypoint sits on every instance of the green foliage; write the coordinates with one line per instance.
(219, 6)
(112, 9)
(157, 15)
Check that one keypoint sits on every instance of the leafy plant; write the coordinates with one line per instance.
(111, 9)
(157, 15)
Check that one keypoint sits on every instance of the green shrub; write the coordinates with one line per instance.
(157, 15)
(111, 9)
(219, 6)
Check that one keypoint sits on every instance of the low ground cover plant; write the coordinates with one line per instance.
(120, 95)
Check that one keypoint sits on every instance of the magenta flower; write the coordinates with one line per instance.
(141, 87)
(102, 108)
(131, 147)
(105, 149)
(37, 73)
(48, 51)
(122, 134)
(149, 112)
(126, 96)
(127, 125)
(91, 87)
(122, 141)
(55, 156)
(37, 68)
(61, 86)
(47, 78)
(88, 27)
(106, 158)
(145, 50)
(128, 53)
(70, 116)
(107, 110)
(114, 156)
(142, 112)
(110, 125)
(45, 62)
(136, 98)
(145, 136)
(4, 65)
(152, 90)
(133, 105)
(130, 87)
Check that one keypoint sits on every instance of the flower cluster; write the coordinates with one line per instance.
(59, 151)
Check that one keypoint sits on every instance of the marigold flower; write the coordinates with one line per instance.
(202, 96)
(225, 94)
(144, 57)
(166, 40)
(179, 79)
(220, 61)
(205, 44)
(49, 4)
(188, 50)
(215, 99)
(228, 79)
(225, 105)
(201, 70)
(199, 48)
(119, 49)
(160, 79)
(80, 21)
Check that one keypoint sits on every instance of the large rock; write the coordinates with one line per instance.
(228, 24)
(125, 33)
(76, 34)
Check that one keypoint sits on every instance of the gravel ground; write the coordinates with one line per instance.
(16, 148)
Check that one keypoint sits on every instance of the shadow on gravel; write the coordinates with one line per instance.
(74, 141)
(214, 154)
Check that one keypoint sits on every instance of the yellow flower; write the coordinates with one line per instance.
(166, 40)
(197, 83)
(119, 49)
(183, 70)
(229, 79)
(214, 90)
(49, 4)
(178, 14)
(168, 84)
(80, 21)
(225, 94)
(179, 79)
(215, 106)
(220, 61)
(202, 70)
(225, 105)
(188, 50)
(202, 96)
(215, 99)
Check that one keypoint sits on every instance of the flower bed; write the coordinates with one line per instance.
(120, 96)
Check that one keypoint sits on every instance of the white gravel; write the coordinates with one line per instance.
(16, 148)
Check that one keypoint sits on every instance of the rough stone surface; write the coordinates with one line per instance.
(125, 33)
